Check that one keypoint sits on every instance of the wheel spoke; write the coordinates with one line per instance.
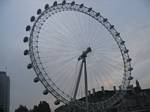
(64, 35)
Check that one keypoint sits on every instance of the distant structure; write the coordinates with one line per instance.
(135, 100)
(4, 92)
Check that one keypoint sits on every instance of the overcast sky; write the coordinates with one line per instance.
(131, 18)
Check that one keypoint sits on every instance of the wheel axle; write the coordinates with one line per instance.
(84, 54)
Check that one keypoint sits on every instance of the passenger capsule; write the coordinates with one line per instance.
(104, 20)
(29, 66)
(57, 102)
(45, 92)
(25, 39)
(64, 2)
(130, 69)
(28, 27)
(72, 4)
(111, 26)
(126, 51)
(36, 79)
(129, 60)
(39, 11)
(32, 19)
(55, 3)
(117, 34)
(81, 5)
(130, 78)
(26, 52)
(89, 10)
(46, 6)
(97, 14)
(122, 42)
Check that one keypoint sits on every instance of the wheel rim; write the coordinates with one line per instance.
(35, 48)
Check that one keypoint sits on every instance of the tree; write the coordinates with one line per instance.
(35, 109)
(1, 109)
(22, 108)
(42, 107)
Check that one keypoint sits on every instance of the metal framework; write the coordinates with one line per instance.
(40, 71)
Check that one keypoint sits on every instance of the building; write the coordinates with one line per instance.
(4, 92)
(135, 100)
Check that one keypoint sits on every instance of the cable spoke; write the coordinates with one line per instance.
(65, 36)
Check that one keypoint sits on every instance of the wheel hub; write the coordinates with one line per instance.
(84, 53)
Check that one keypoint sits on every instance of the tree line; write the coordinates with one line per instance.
(43, 106)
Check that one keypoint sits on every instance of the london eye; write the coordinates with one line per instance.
(74, 49)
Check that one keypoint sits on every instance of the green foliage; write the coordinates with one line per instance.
(22, 108)
(42, 107)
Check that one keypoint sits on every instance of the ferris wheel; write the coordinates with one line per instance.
(74, 49)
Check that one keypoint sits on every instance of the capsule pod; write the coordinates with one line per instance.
(32, 19)
(46, 6)
(57, 102)
(45, 92)
(111, 26)
(130, 69)
(25, 39)
(36, 79)
(104, 20)
(130, 78)
(81, 5)
(89, 10)
(64, 2)
(29, 66)
(97, 14)
(28, 28)
(26, 52)
(117, 34)
(39, 11)
(126, 51)
(72, 3)
(122, 42)
(55, 3)
(129, 59)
